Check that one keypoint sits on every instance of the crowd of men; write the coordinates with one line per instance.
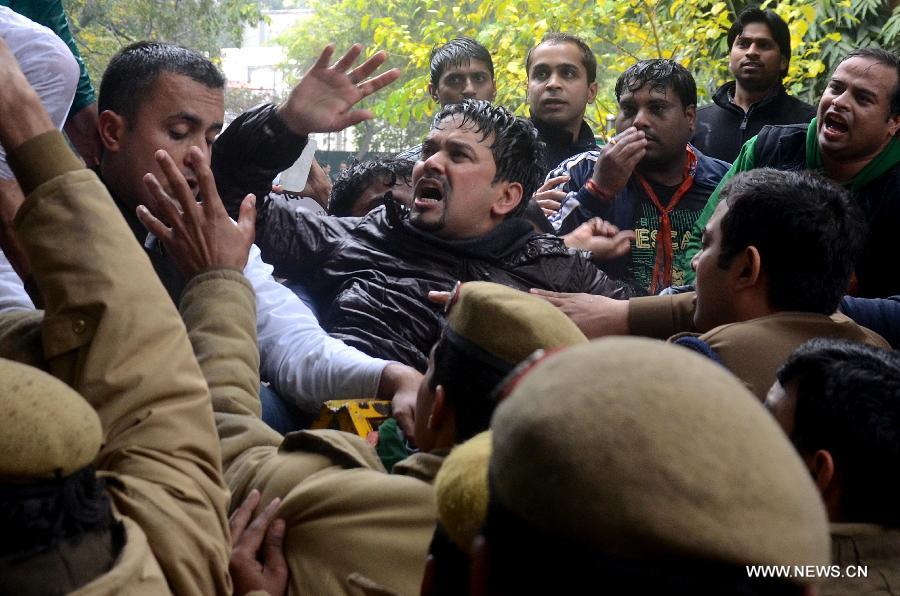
(170, 326)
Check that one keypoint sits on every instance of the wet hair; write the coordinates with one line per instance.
(779, 29)
(134, 70)
(516, 545)
(885, 58)
(848, 403)
(660, 75)
(806, 228)
(469, 383)
(517, 150)
(351, 182)
(457, 52)
(588, 60)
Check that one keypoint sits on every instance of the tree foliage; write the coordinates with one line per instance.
(102, 27)
(620, 32)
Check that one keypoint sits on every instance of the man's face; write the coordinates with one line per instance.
(469, 81)
(558, 88)
(667, 124)
(853, 121)
(755, 60)
(373, 195)
(713, 298)
(178, 113)
(454, 196)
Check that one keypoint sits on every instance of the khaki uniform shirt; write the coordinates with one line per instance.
(876, 548)
(344, 513)
(753, 350)
(110, 331)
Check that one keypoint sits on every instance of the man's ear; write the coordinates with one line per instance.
(433, 92)
(747, 266)
(592, 92)
(111, 127)
(690, 113)
(822, 469)
(509, 199)
(894, 124)
(439, 408)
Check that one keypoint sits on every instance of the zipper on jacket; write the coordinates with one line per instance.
(744, 121)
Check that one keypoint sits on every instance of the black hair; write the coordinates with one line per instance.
(780, 32)
(39, 515)
(588, 60)
(469, 384)
(848, 403)
(351, 182)
(806, 228)
(134, 70)
(660, 75)
(886, 58)
(457, 52)
(526, 559)
(518, 151)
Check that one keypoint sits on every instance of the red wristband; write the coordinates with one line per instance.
(595, 190)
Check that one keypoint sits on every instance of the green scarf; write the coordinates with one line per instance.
(888, 158)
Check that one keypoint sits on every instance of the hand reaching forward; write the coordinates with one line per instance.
(604, 240)
(257, 556)
(323, 100)
(199, 235)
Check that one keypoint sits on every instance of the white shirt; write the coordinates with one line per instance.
(303, 363)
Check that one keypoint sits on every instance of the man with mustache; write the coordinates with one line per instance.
(760, 45)
(853, 141)
(370, 276)
(648, 178)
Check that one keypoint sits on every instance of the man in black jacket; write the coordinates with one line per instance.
(562, 81)
(370, 276)
(760, 45)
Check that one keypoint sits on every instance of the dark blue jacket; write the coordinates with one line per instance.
(580, 205)
(881, 315)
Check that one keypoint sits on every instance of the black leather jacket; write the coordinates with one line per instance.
(370, 276)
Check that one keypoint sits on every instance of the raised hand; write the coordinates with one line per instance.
(323, 100)
(197, 235)
(617, 161)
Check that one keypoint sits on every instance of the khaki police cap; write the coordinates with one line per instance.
(507, 324)
(47, 429)
(641, 449)
(461, 490)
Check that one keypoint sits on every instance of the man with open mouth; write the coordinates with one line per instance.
(760, 54)
(370, 276)
(853, 141)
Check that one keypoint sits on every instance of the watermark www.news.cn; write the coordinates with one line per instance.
(808, 571)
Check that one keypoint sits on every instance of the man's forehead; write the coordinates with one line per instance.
(467, 66)
(756, 30)
(867, 73)
(553, 54)
(456, 126)
(650, 91)
(179, 94)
